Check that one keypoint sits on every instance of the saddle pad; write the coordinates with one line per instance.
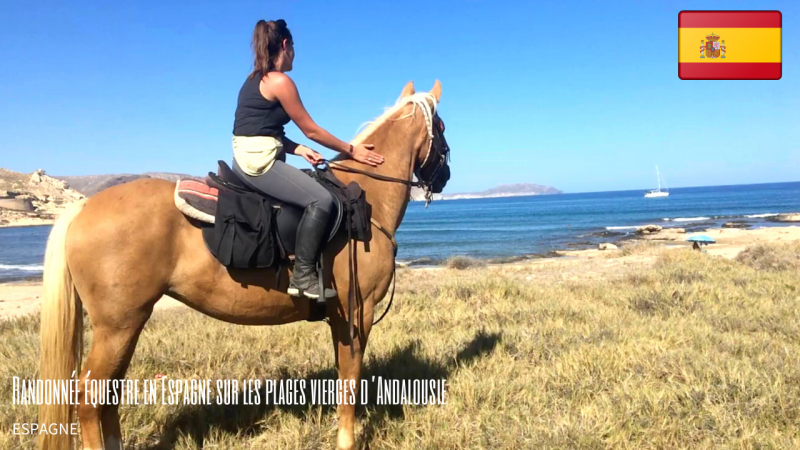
(196, 199)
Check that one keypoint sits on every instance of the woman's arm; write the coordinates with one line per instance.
(285, 91)
(301, 150)
(289, 145)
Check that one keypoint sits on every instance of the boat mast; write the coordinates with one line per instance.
(659, 179)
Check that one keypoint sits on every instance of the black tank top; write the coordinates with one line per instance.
(257, 116)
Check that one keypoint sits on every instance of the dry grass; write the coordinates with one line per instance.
(464, 262)
(696, 352)
(637, 247)
(772, 257)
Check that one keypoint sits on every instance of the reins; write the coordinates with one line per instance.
(375, 176)
(380, 228)
(438, 145)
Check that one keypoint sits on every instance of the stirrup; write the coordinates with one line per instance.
(314, 292)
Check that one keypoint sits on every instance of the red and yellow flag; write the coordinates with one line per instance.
(729, 45)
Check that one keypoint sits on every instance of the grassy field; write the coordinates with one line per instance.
(690, 351)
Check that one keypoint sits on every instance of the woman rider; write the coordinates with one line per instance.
(267, 101)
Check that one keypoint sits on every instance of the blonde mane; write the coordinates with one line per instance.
(423, 100)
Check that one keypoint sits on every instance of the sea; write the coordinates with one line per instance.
(511, 228)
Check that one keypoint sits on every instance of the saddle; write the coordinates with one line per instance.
(245, 229)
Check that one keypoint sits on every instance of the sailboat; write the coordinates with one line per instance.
(658, 192)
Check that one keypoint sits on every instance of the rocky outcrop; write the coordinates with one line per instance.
(17, 203)
(33, 198)
(792, 217)
(736, 224)
(648, 229)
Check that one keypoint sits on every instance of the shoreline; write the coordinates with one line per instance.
(611, 235)
(621, 235)
(23, 296)
(27, 225)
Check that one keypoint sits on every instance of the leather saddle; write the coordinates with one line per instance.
(287, 216)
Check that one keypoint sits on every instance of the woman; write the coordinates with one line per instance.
(267, 101)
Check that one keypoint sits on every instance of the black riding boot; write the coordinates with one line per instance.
(310, 234)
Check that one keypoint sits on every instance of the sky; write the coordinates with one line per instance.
(582, 96)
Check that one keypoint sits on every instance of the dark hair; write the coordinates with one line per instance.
(267, 40)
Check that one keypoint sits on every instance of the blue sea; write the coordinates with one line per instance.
(504, 228)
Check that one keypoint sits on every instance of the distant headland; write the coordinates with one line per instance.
(504, 190)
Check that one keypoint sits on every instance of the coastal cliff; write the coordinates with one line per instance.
(32, 199)
(37, 198)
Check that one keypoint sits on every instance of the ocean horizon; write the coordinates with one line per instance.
(504, 228)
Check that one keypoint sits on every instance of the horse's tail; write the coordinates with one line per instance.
(61, 330)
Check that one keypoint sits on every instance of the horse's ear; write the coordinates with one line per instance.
(408, 90)
(437, 91)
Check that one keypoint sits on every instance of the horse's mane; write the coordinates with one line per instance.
(423, 100)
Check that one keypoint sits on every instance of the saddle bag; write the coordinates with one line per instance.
(354, 201)
(242, 237)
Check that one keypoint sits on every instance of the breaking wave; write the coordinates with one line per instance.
(27, 268)
(686, 219)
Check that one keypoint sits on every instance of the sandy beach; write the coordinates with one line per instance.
(25, 221)
(24, 297)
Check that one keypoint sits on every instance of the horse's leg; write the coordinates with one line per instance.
(349, 367)
(111, 352)
(109, 419)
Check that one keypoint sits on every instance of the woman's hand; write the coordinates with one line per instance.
(364, 154)
(309, 155)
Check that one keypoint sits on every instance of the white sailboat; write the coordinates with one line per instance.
(658, 192)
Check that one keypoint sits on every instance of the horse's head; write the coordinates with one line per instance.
(432, 157)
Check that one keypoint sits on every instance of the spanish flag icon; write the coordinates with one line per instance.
(729, 45)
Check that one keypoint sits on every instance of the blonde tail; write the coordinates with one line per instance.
(61, 329)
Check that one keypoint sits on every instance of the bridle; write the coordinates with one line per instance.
(428, 172)
(437, 158)
(427, 176)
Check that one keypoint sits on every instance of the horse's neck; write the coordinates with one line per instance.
(388, 199)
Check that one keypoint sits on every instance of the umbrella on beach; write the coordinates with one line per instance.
(701, 239)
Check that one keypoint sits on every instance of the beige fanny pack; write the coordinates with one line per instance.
(256, 154)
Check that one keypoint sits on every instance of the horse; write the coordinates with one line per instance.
(115, 254)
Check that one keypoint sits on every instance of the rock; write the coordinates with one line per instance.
(735, 225)
(792, 217)
(36, 176)
(647, 229)
(17, 204)
(607, 246)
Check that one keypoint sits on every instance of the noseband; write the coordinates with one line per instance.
(437, 158)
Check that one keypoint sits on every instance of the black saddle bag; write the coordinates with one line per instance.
(354, 202)
(243, 231)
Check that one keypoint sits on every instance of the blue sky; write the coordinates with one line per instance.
(576, 95)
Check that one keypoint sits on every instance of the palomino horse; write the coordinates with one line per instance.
(118, 252)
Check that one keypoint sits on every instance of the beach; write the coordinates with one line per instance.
(581, 350)
(20, 298)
